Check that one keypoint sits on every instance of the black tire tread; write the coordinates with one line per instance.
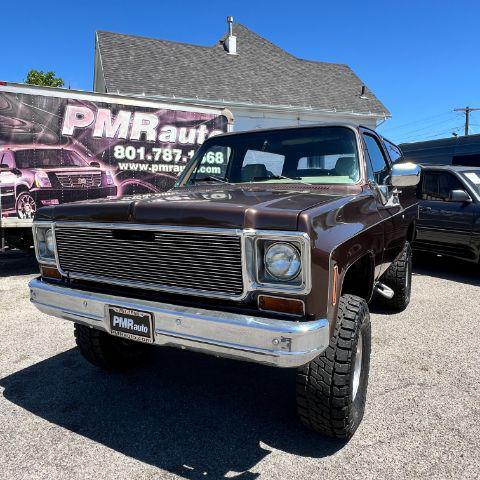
(323, 385)
(396, 278)
(105, 351)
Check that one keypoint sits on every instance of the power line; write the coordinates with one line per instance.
(417, 133)
(390, 127)
(467, 111)
(426, 127)
(416, 138)
(439, 134)
(396, 127)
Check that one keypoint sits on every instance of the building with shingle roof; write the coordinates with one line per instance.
(259, 82)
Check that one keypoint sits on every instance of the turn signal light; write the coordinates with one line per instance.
(50, 272)
(335, 285)
(287, 306)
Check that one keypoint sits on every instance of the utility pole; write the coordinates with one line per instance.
(467, 111)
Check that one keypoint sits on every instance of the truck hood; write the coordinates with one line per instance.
(208, 207)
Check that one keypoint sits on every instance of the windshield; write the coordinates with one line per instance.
(308, 155)
(473, 178)
(47, 158)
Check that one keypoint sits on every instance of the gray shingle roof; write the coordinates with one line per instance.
(261, 73)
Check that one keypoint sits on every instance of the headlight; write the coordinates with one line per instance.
(50, 242)
(42, 180)
(109, 176)
(278, 262)
(45, 244)
(282, 261)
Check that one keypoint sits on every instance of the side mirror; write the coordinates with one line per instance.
(459, 196)
(95, 164)
(405, 175)
(4, 166)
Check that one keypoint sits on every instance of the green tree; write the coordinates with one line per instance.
(44, 79)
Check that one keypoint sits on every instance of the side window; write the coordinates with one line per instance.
(7, 159)
(393, 151)
(379, 165)
(438, 185)
(448, 182)
(430, 186)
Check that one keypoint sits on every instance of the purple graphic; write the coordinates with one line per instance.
(55, 150)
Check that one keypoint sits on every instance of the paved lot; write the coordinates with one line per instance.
(195, 417)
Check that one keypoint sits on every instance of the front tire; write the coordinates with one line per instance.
(106, 351)
(332, 388)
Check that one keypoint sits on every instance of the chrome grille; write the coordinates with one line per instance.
(80, 180)
(199, 262)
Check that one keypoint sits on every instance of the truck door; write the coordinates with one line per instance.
(389, 207)
(444, 226)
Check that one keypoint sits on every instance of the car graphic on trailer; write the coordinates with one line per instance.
(51, 175)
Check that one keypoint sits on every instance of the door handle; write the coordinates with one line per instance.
(425, 209)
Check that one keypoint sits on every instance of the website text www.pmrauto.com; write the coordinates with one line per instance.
(164, 168)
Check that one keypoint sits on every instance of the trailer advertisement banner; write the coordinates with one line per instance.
(55, 149)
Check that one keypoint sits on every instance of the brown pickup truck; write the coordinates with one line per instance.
(268, 249)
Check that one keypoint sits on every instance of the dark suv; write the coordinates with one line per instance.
(449, 220)
(50, 175)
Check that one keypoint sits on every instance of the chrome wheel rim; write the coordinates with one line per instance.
(27, 207)
(357, 368)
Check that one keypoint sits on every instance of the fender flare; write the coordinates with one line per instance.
(21, 187)
(371, 261)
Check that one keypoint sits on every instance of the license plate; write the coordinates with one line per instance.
(131, 324)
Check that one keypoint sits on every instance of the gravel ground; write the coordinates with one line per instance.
(191, 416)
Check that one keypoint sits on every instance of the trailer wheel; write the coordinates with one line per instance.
(26, 205)
(332, 388)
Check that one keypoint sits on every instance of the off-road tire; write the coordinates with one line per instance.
(326, 402)
(399, 278)
(106, 351)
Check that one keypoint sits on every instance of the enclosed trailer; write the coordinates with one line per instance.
(59, 146)
(463, 151)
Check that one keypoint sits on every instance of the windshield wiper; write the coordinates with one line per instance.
(278, 177)
(274, 177)
(210, 178)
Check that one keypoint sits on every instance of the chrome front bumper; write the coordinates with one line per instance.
(279, 343)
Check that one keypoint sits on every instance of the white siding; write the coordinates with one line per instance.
(98, 79)
(245, 119)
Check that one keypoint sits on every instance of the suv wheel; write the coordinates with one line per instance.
(399, 278)
(332, 388)
(106, 351)
(26, 205)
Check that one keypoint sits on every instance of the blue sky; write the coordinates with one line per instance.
(421, 57)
